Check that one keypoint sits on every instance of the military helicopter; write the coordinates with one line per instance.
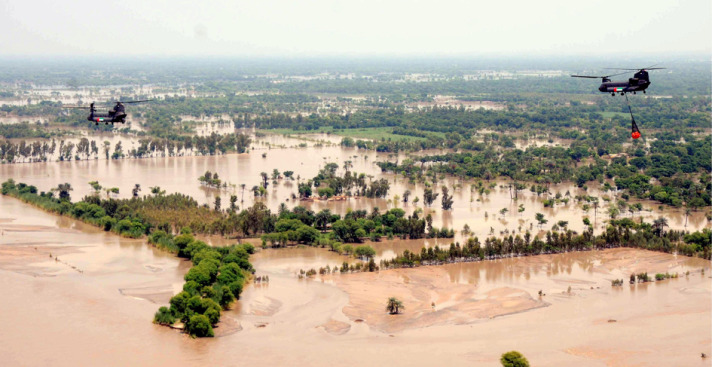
(639, 82)
(117, 114)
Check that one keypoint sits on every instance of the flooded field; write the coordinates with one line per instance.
(92, 303)
(482, 213)
(75, 295)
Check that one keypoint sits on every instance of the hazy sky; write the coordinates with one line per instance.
(366, 27)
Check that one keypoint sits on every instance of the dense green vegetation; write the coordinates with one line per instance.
(681, 170)
(216, 279)
(620, 233)
(302, 226)
(328, 184)
(27, 130)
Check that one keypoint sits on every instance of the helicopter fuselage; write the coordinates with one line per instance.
(106, 118)
(118, 114)
(639, 82)
(632, 85)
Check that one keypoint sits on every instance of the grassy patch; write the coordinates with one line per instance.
(371, 133)
(610, 114)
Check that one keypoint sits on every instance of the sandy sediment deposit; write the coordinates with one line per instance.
(419, 289)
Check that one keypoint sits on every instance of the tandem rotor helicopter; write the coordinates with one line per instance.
(117, 114)
(639, 82)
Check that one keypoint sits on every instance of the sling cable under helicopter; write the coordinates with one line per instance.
(635, 133)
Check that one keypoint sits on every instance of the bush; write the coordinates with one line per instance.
(164, 317)
(514, 359)
(365, 251)
(107, 222)
(199, 275)
(226, 297)
(248, 248)
(200, 326)
(307, 234)
(179, 302)
(236, 288)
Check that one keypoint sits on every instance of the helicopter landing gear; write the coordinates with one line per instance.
(643, 92)
(613, 94)
(633, 92)
(622, 93)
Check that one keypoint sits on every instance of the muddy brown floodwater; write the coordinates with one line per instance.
(92, 303)
(75, 295)
(180, 174)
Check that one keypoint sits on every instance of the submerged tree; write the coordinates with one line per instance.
(446, 199)
(233, 201)
(540, 218)
(429, 196)
(406, 195)
(136, 190)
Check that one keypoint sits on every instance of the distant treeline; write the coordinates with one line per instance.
(620, 233)
(43, 150)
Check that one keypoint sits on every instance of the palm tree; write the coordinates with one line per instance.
(242, 199)
(394, 306)
(687, 214)
(233, 200)
(659, 225)
(322, 219)
(64, 190)
(264, 179)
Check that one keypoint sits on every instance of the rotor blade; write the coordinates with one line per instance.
(143, 100)
(638, 69)
(634, 69)
(82, 107)
(596, 77)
